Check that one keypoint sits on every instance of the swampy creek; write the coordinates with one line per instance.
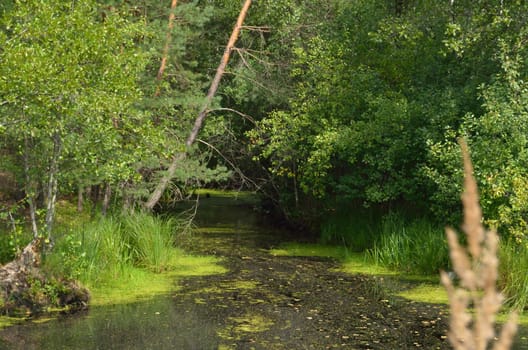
(262, 302)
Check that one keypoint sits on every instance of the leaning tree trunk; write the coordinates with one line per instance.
(164, 182)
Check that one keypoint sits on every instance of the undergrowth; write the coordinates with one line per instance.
(513, 273)
(417, 246)
(112, 246)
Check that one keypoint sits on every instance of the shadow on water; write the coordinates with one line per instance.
(296, 303)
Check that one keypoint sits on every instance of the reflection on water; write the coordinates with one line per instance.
(157, 324)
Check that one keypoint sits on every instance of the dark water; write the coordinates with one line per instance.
(160, 323)
(149, 325)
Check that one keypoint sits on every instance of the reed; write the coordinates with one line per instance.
(110, 247)
(151, 240)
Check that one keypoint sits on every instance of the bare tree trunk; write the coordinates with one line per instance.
(80, 199)
(106, 199)
(156, 195)
(159, 77)
(51, 197)
(94, 191)
(30, 191)
(128, 198)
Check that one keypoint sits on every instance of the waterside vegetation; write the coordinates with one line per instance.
(119, 258)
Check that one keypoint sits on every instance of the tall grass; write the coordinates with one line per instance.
(513, 273)
(408, 245)
(110, 247)
(150, 240)
(416, 246)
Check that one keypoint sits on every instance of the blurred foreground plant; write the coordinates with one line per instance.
(477, 269)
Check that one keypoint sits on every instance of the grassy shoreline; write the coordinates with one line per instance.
(120, 258)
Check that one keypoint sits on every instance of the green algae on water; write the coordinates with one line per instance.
(238, 327)
(427, 293)
(135, 284)
(310, 249)
(6, 321)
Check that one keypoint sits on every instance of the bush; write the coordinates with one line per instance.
(355, 228)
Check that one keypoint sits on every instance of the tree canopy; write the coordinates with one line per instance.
(322, 101)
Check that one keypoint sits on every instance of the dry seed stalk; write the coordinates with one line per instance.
(477, 268)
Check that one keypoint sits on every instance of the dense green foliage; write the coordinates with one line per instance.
(326, 107)
(381, 97)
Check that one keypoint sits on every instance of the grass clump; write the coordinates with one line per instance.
(513, 273)
(126, 257)
(310, 249)
(150, 240)
(395, 240)
(111, 247)
(416, 247)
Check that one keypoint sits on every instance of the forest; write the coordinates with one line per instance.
(344, 117)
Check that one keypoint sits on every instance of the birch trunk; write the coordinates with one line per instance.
(30, 190)
(51, 197)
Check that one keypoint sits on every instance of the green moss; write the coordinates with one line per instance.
(6, 321)
(43, 320)
(523, 318)
(359, 263)
(191, 265)
(225, 347)
(240, 326)
(251, 323)
(238, 285)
